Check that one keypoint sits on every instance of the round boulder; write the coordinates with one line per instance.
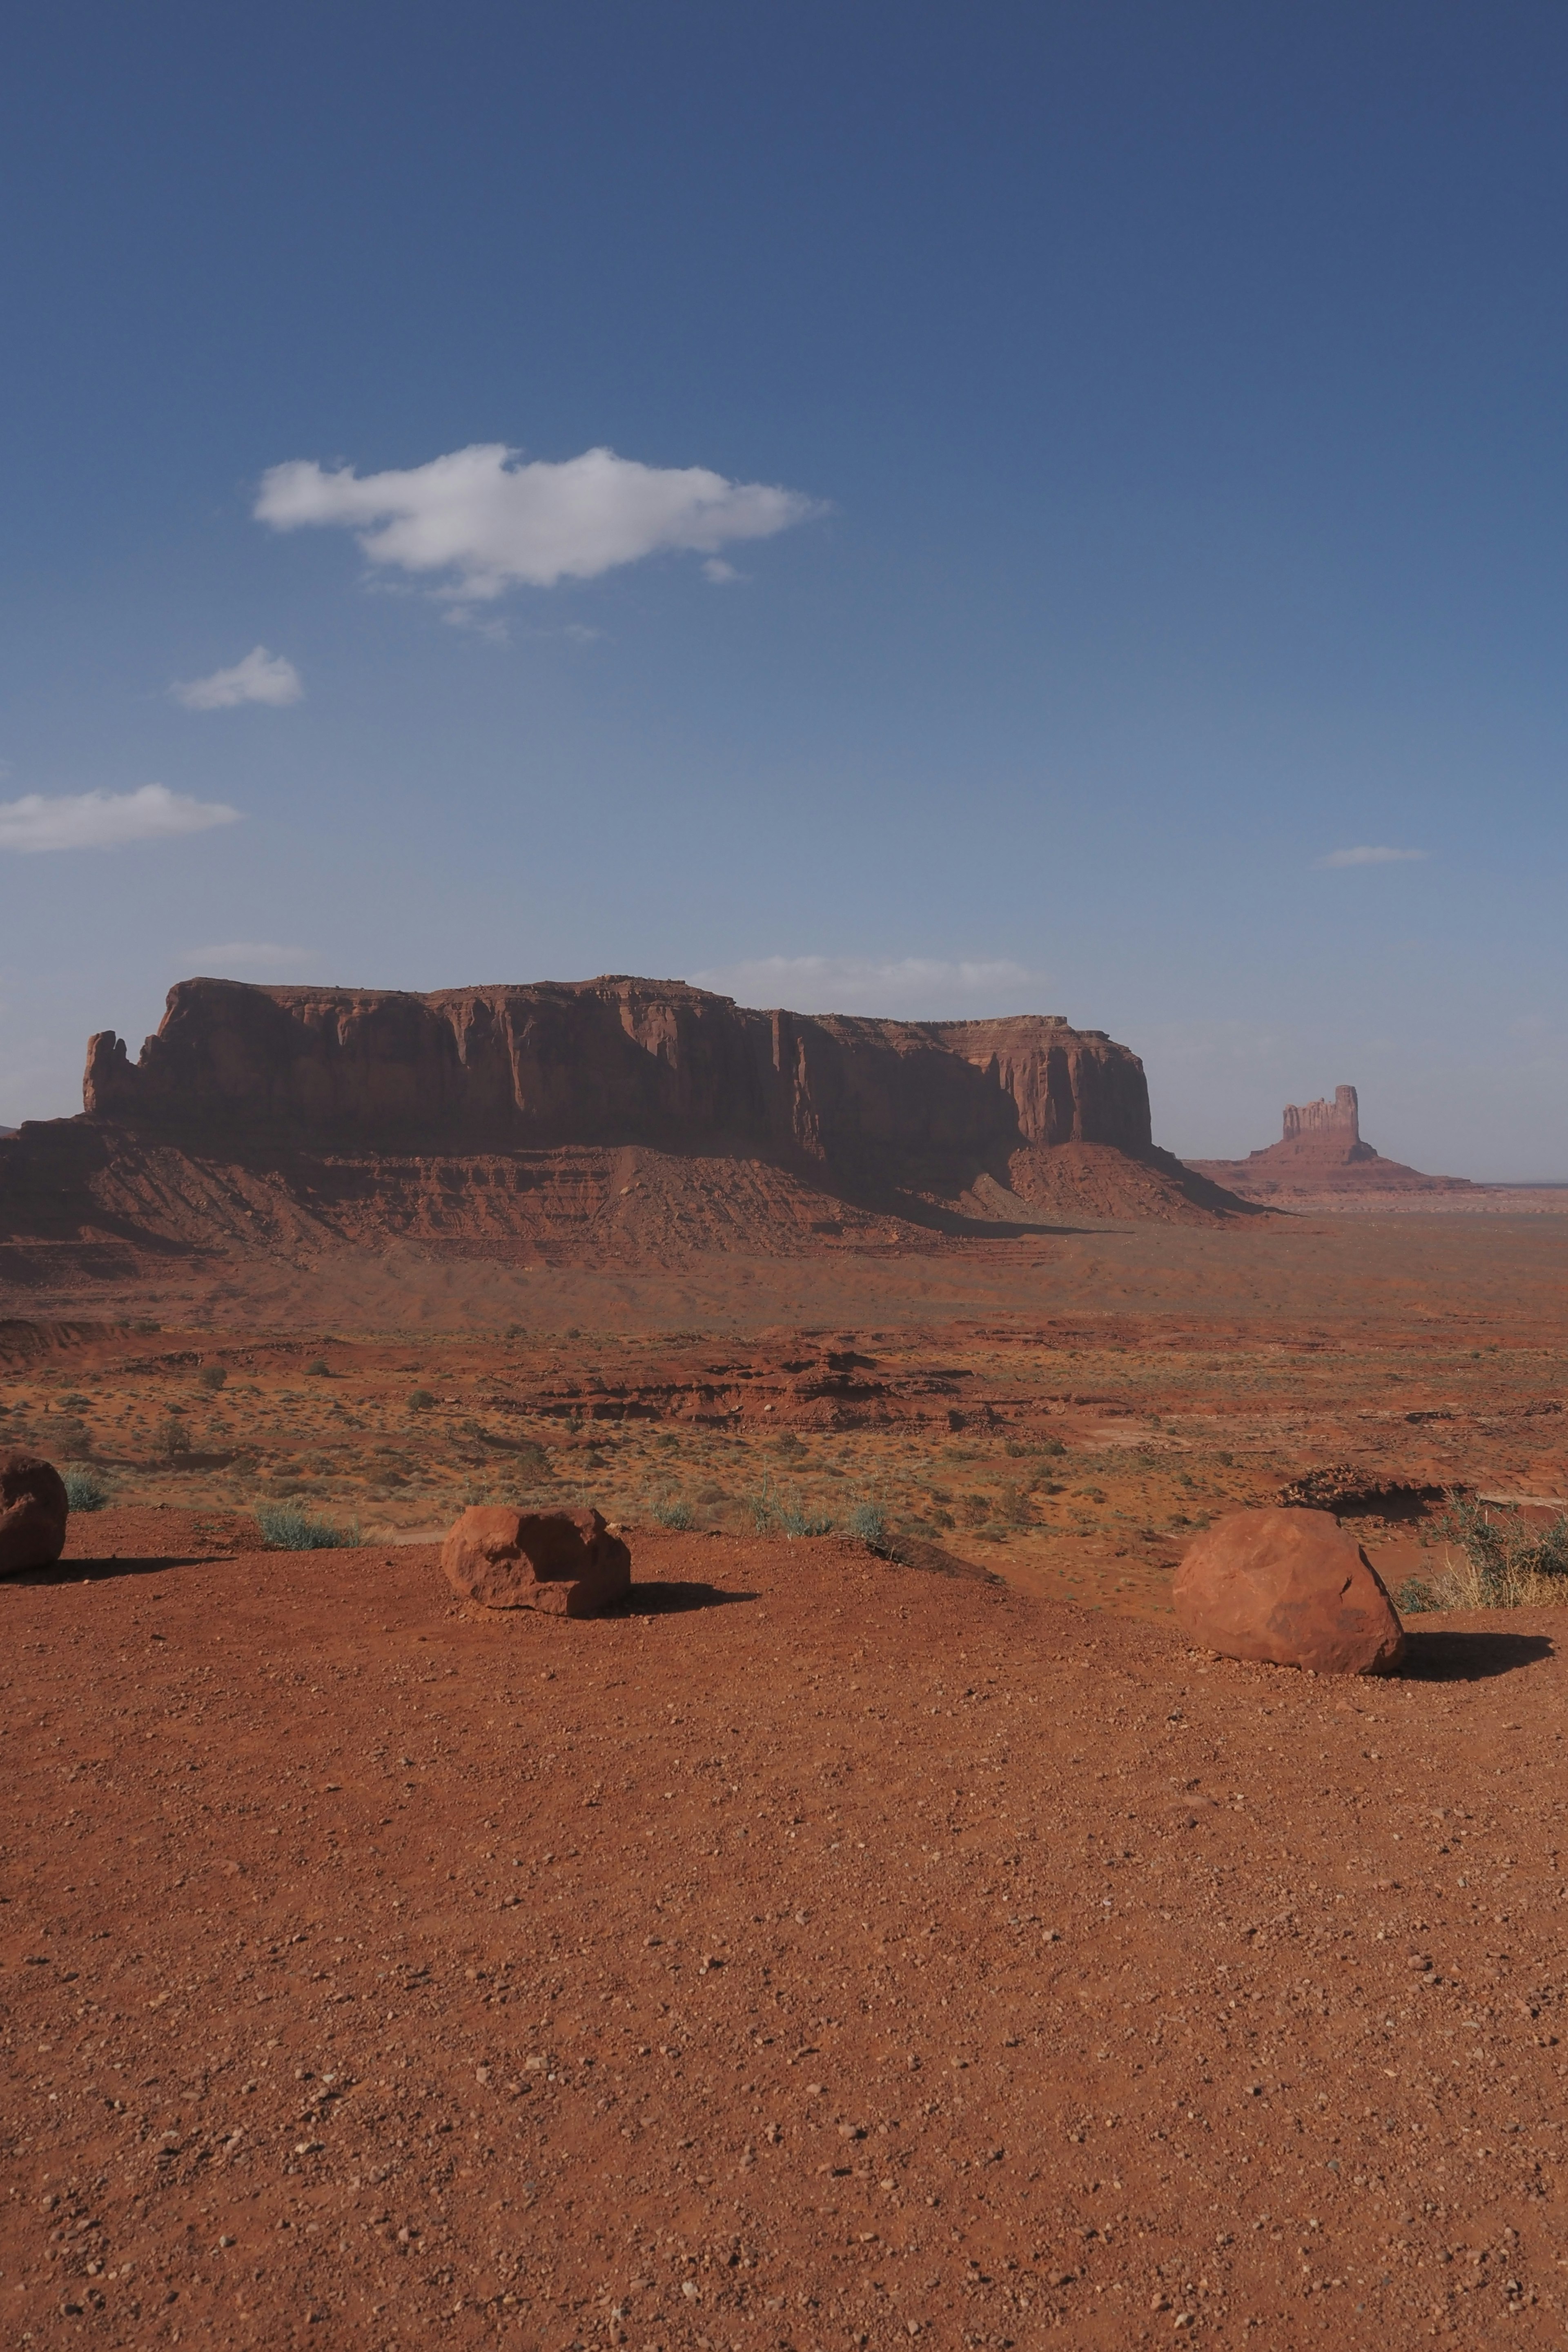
(32, 1513)
(1287, 1589)
(566, 1562)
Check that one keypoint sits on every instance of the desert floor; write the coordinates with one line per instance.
(827, 1951)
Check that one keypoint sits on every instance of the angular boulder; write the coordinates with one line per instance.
(565, 1562)
(1287, 1588)
(32, 1513)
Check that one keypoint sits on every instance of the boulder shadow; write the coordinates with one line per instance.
(1453, 1656)
(100, 1571)
(667, 1598)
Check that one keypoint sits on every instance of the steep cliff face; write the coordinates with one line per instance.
(1321, 1155)
(1331, 1129)
(612, 1061)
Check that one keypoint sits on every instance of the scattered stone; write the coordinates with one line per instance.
(1287, 1588)
(32, 1513)
(564, 1562)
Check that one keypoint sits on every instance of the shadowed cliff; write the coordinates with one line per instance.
(611, 1061)
(609, 1120)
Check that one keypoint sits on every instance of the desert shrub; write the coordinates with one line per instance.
(1490, 1564)
(866, 1522)
(211, 1376)
(1052, 1447)
(673, 1512)
(795, 1519)
(86, 1488)
(285, 1527)
(789, 1445)
(1013, 1508)
(173, 1438)
(974, 1508)
(420, 1400)
(318, 1368)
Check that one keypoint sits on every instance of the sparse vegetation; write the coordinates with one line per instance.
(1490, 1564)
(86, 1488)
(420, 1400)
(795, 1519)
(674, 1511)
(866, 1522)
(285, 1527)
(211, 1376)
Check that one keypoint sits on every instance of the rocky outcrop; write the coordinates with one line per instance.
(1333, 1129)
(613, 1061)
(1321, 1157)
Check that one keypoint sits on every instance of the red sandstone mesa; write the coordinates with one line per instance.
(566, 1563)
(32, 1513)
(1320, 1153)
(1287, 1589)
(613, 1060)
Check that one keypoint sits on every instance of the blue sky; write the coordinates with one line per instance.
(1077, 471)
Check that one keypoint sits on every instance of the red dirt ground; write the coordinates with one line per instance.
(821, 1954)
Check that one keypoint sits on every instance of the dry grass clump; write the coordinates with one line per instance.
(1489, 1563)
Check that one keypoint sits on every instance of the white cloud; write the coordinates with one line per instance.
(267, 955)
(261, 677)
(1368, 856)
(913, 987)
(106, 820)
(492, 523)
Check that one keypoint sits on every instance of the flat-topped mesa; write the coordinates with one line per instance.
(1336, 1123)
(609, 1061)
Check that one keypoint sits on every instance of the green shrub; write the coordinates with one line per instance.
(1051, 1445)
(795, 1519)
(1489, 1563)
(866, 1522)
(211, 1376)
(86, 1488)
(673, 1512)
(420, 1400)
(285, 1527)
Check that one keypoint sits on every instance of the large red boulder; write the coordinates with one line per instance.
(566, 1562)
(32, 1513)
(1287, 1589)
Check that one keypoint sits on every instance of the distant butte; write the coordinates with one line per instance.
(592, 1122)
(1320, 1156)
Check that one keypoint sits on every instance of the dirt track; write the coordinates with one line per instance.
(825, 1954)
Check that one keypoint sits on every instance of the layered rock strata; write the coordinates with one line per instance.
(1321, 1155)
(610, 1061)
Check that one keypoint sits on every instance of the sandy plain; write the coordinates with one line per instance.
(826, 1950)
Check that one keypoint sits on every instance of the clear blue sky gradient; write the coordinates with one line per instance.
(1186, 388)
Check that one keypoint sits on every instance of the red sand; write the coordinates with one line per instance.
(823, 1954)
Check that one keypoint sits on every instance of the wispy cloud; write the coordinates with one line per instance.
(491, 522)
(918, 987)
(252, 955)
(261, 677)
(1366, 856)
(106, 820)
